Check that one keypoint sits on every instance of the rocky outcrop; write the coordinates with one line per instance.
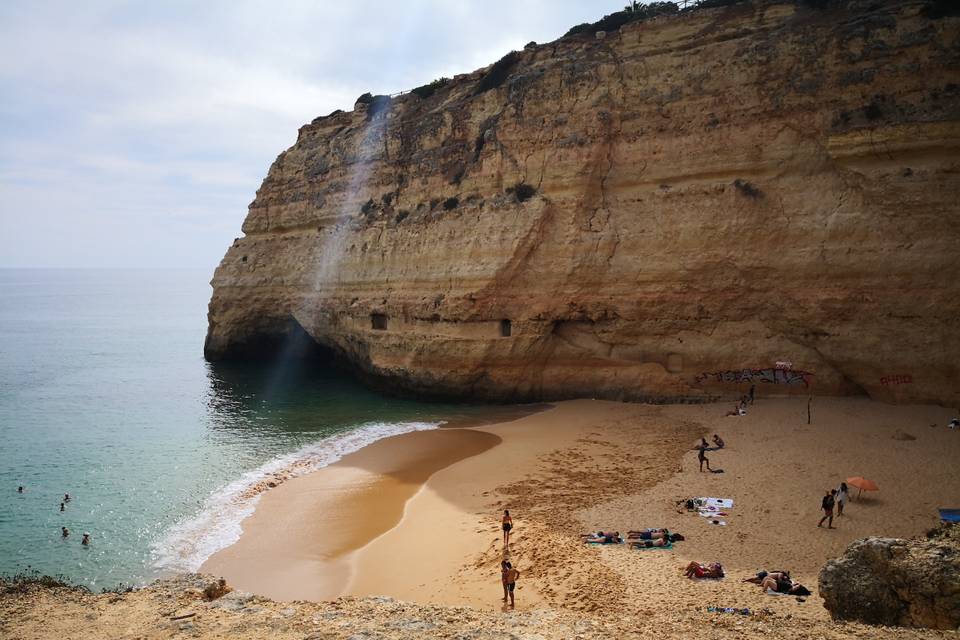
(756, 194)
(890, 581)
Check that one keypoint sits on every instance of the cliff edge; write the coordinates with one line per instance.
(764, 193)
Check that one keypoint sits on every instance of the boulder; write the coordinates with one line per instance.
(893, 581)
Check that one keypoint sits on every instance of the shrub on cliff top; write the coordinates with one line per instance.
(425, 91)
(498, 73)
(366, 98)
(451, 203)
(634, 12)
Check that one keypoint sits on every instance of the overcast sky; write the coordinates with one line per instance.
(136, 134)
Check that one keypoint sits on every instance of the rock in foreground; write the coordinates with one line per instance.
(891, 581)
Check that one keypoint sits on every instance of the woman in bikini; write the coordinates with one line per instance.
(507, 524)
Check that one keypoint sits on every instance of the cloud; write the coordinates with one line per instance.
(136, 134)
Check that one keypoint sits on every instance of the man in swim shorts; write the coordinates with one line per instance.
(510, 582)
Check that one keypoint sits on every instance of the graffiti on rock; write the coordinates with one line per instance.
(761, 376)
(905, 379)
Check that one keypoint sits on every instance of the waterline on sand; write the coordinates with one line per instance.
(188, 543)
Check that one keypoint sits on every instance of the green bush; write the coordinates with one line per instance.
(634, 12)
(498, 73)
(366, 98)
(425, 91)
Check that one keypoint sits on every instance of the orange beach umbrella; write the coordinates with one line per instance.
(862, 484)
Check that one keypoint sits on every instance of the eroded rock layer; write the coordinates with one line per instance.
(758, 194)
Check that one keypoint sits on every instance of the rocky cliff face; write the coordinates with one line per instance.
(757, 194)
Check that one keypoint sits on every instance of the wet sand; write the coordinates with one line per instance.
(297, 542)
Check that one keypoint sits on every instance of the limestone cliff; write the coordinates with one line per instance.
(666, 211)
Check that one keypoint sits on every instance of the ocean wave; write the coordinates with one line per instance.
(187, 544)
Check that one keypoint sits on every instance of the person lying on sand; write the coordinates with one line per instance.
(647, 544)
(606, 538)
(657, 534)
(697, 570)
(600, 534)
(760, 575)
(781, 583)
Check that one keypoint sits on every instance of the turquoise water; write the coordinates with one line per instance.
(104, 394)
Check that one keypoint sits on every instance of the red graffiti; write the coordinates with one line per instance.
(764, 376)
(904, 379)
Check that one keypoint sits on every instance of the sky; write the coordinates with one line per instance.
(135, 134)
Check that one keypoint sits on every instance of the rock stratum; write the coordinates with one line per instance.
(764, 193)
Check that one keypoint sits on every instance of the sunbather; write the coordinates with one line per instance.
(760, 575)
(648, 534)
(600, 534)
(697, 570)
(606, 539)
(648, 544)
(780, 582)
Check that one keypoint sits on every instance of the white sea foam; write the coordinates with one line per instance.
(188, 543)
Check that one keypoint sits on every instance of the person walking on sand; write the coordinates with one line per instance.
(753, 389)
(510, 576)
(507, 524)
(841, 498)
(827, 505)
(702, 454)
(504, 570)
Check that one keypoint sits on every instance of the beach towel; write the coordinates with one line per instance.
(712, 514)
(950, 515)
(601, 543)
(669, 546)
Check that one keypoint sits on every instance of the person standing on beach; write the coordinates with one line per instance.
(507, 524)
(702, 454)
(753, 389)
(841, 498)
(827, 505)
(510, 576)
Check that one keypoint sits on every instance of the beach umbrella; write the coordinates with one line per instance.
(862, 484)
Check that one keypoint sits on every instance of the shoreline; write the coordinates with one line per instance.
(587, 465)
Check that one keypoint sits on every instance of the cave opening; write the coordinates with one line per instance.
(378, 321)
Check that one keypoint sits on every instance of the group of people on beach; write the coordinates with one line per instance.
(702, 449)
(835, 498)
(64, 532)
(508, 573)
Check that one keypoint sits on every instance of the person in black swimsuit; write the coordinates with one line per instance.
(702, 455)
(507, 523)
(827, 505)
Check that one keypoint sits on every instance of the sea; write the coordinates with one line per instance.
(105, 396)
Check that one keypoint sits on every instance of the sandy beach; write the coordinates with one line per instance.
(416, 517)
